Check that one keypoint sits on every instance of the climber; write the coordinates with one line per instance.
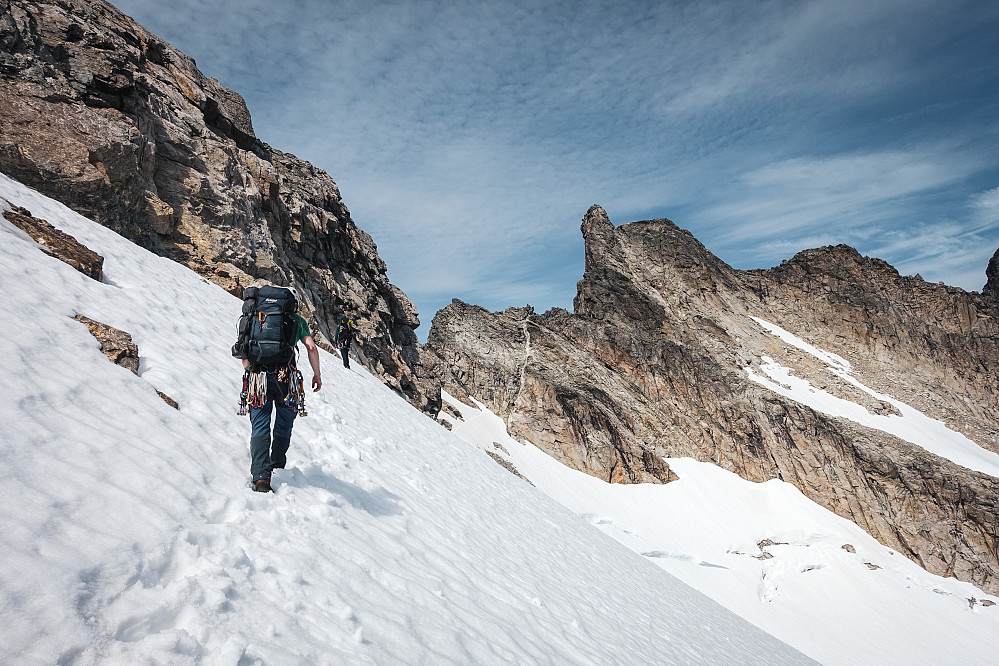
(269, 332)
(343, 337)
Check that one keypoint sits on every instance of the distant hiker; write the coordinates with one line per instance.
(343, 337)
(269, 331)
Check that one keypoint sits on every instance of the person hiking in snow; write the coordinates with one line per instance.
(269, 332)
(343, 337)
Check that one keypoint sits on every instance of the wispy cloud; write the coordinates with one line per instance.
(897, 206)
(840, 192)
(469, 138)
(985, 211)
(941, 251)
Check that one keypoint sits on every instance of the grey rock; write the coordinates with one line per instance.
(992, 275)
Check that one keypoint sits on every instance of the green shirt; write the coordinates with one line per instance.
(303, 329)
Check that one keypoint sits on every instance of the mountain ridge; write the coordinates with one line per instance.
(659, 360)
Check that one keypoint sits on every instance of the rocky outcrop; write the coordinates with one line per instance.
(118, 347)
(540, 370)
(117, 124)
(59, 244)
(116, 344)
(653, 362)
(933, 346)
(992, 274)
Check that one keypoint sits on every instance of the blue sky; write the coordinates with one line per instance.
(469, 138)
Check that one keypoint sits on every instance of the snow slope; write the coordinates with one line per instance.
(131, 537)
(912, 426)
(868, 606)
(811, 593)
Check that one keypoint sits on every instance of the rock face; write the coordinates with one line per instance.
(102, 115)
(992, 273)
(653, 363)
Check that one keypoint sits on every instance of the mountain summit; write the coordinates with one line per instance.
(671, 352)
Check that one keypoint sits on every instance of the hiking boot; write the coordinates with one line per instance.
(262, 485)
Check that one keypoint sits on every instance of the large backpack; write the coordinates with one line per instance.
(344, 334)
(267, 327)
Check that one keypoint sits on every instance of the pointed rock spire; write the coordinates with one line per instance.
(992, 274)
(595, 221)
(598, 235)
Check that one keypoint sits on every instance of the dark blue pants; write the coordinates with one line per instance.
(343, 355)
(265, 455)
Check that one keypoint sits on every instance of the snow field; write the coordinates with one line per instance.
(131, 536)
(810, 593)
(913, 426)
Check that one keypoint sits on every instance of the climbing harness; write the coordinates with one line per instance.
(254, 393)
(296, 391)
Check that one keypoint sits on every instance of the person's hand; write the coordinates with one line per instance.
(246, 363)
(317, 383)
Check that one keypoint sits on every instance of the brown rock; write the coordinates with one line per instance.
(168, 400)
(116, 344)
(160, 214)
(59, 244)
(447, 408)
(507, 465)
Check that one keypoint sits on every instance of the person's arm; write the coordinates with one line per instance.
(310, 346)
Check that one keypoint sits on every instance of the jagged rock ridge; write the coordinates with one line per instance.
(652, 363)
(102, 115)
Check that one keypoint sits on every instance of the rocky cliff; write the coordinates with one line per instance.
(102, 115)
(653, 363)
